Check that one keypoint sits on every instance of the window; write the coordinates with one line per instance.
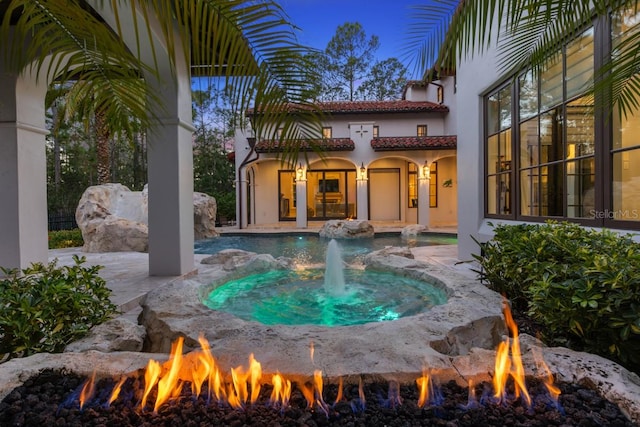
(541, 145)
(326, 132)
(376, 131)
(624, 153)
(287, 195)
(433, 185)
(556, 169)
(422, 130)
(498, 149)
(412, 181)
(440, 94)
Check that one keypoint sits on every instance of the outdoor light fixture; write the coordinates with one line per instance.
(300, 171)
(426, 172)
(362, 170)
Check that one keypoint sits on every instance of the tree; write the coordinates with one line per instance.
(348, 55)
(248, 43)
(530, 33)
(386, 81)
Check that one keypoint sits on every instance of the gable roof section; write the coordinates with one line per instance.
(414, 143)
(325, 144)
(399, 106)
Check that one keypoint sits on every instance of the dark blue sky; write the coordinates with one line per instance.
(388, 19)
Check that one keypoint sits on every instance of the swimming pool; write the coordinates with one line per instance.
(310, 248)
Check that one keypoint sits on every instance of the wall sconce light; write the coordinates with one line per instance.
(363, 170)
(426, 172)
(300, 172)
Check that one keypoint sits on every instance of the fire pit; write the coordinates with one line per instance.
(191, 389)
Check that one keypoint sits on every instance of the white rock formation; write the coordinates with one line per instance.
(413, 230)
(113, 218)
(117, 334)
(346, 229)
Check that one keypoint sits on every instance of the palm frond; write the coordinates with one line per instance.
(68, 42)
(254, 48)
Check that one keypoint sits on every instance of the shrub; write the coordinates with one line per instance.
(65, 239)
(582, 285)
(43, 308)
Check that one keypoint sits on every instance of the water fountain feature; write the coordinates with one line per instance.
(335, 296)
(334, 270)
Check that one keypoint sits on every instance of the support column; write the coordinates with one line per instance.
(362, 196)
(23, 180)
(423, 196)
(170, 160)
(171, 234)
(301, 198)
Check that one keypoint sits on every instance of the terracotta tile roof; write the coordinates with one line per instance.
(330, 144)
(369, 107)
(401, 106)
(414, 143)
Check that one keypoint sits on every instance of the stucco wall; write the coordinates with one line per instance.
(446, 214)
(474, 77)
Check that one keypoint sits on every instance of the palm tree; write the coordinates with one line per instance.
(530, 32)
(248, 43)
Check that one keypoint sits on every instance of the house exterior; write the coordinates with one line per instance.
(391, 161)
(533, 148)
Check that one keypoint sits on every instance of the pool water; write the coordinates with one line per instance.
(311, 249)
(300, 297)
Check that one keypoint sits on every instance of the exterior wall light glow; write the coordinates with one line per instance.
(426, 172)
(363, 170)
(300, 171)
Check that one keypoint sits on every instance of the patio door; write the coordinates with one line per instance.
(331, 194)
(384, 194)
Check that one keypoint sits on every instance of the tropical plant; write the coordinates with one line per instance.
(582, 285)
(45, 307)
(530, 31)
(248, 43)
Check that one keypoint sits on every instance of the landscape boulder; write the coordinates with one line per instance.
(113, 218)
(346, 229)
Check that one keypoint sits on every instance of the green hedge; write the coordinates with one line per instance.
(582, 285)
(44, 307)
(65, 239)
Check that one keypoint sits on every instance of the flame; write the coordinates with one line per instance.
(318, 383)
(204, 365)
(256, 374)
(281, 392)
(517, 373)
(307, 392)
(394, 394)
(548, 380)
(361, 393)
(472, 399)
(151, 375)
(88, 389)
(238, 391)
(501, 370)
(339, 397)
(169, 385)
(509, 363)
(423, 387)
(116, 390)
(312, 351)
